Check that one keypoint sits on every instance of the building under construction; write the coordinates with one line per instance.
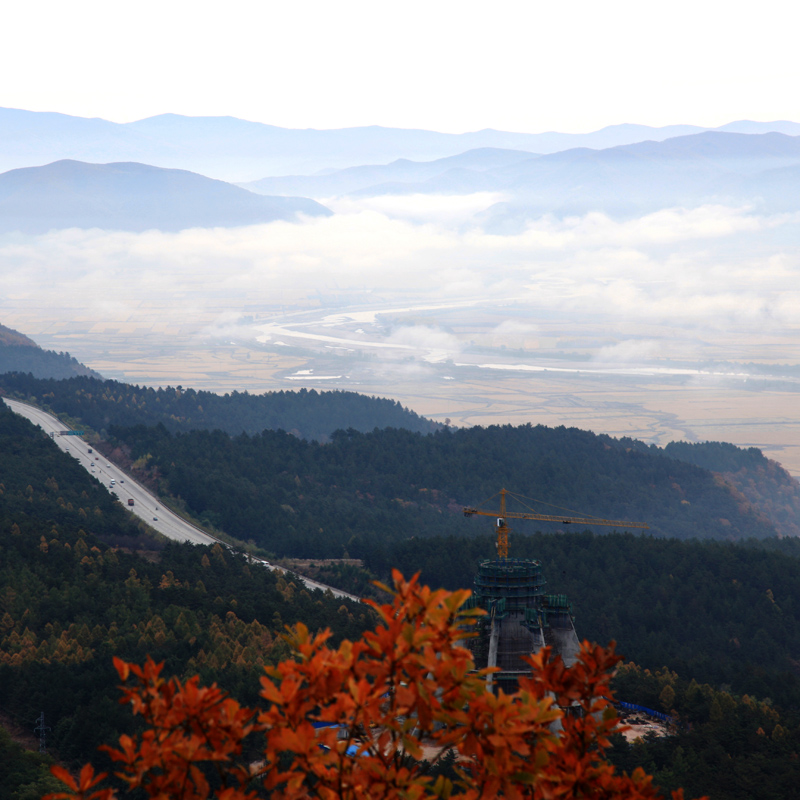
(521, 618)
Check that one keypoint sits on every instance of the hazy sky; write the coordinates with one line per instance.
(451, 66)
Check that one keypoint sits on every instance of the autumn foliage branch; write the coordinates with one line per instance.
(408, 683)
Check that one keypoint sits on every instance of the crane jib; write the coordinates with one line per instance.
(503, 530)
(621, 523)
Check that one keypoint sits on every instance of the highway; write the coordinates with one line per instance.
(146, 505)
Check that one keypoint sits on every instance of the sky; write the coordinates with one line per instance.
(527, 66)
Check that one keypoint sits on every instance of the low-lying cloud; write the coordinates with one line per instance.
(629, 351)
(434, 344)
(712, 268)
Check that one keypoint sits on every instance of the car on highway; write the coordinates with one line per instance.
(155, 519)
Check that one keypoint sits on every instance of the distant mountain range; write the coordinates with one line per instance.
(238, 150)
(615, 171)
(133, 197)
(398, 177)
(762, 170)
(757, 170)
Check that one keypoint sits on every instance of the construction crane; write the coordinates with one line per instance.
(503, 530)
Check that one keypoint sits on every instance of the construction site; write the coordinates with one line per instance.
(521, 617)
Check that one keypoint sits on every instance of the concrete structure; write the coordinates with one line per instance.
(521, 619)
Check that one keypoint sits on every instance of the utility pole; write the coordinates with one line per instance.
(42, 729)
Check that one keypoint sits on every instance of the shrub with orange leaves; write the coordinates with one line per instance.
(408, 683)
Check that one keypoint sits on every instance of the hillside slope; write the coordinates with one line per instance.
(364, 490)
(398, 172)
(380, 476)
(133, 197)
(758, 480)
(19, 353)
(713, 611)
(72, 596)
(305, 413)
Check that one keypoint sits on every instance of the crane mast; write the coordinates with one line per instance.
(503, 530)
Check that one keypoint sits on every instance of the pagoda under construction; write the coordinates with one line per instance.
(521, 618)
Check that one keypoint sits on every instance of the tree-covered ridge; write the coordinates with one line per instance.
(761, 481)
(717, 456)
(8, 336)
(760, 486)
(305, 413)
(44, 364)
(19, 353)
(309, 500)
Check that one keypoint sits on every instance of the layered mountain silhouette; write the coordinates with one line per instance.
(752, 168)
(238, 150)
(400, 176)
(758, 170)
(133, 197)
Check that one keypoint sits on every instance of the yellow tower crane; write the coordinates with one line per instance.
(503, 530)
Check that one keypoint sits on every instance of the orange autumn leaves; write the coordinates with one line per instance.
(405, 693)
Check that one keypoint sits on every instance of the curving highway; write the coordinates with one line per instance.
(146, 505)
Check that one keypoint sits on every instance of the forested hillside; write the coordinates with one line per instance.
(42, 489)
(754, 496)
(723, 745)
(306, 413)
(67, 609)
(720, 612)
(759, 480)
(362, 491)
(69, 601)
(720, 616)
(18, 353)
(24, 774)
(710, 630)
